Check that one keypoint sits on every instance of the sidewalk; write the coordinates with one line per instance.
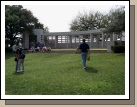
(73, 50)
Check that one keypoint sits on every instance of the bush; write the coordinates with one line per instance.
(8, 49)
(118, 49)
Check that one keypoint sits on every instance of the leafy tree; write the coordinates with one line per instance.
(100, 20)
(46, 29)
(112, 22)
(116, 20)
(89, 21)
(18, 20)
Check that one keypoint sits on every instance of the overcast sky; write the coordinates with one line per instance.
(58, 17)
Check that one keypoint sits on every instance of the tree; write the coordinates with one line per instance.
(46, 29)
(18, 20)
(116, 20)
(112, 22)
(89, 21)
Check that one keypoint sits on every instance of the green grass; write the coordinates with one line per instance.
(63, 74)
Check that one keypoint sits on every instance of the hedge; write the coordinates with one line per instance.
(8, 49)
(118, 49)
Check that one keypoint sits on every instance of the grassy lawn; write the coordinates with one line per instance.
(63, 74)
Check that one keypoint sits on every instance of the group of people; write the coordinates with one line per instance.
(40, 49)
(83, 48)
(19, 58)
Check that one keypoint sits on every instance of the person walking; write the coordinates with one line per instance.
(21, 60)
(84, 52)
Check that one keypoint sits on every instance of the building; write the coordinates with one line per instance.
(58, 40)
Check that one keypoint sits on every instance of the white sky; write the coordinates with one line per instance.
(58, 17)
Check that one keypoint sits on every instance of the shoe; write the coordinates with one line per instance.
(18, 71)
(84, 67)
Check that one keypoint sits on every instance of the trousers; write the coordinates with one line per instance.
(84, 57)
(21, 63)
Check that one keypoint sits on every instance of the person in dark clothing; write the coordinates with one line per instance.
(17, 57)
(21, 60)
(84, 52)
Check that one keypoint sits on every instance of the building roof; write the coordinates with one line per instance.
(96, 31)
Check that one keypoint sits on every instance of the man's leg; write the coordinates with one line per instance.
(23, 65)
(83, 59)
(16, 69)
(85, 56)
(19, 63)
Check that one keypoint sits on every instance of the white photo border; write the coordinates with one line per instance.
(126, 96)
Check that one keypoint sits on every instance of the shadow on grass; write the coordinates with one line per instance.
(18, 73)
(91, 70)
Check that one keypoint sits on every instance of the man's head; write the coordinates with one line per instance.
(21, 48)
(83, 39)
(17, 49)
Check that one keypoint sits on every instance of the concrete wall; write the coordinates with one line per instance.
(123, 37)
(99, 44)
(109, 44)
(120, 43)
(26, 40)
(74, 45)
(39, 33)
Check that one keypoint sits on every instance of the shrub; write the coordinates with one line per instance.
(118, 49)
(8, 49)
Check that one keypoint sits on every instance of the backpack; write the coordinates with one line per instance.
(22, 55)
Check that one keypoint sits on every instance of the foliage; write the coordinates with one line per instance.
(89, 21)
(19, 20)
(8, 49)
(114, 21)
(46, 29)
(63, 74)
(7, 42)
(118, 49)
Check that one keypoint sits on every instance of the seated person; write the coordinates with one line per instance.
(41, 48)
(48, 48)
(37, 49)
(31, 49)
(44, 49)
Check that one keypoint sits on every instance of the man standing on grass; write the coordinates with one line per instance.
(84, 52)
(21, 60)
